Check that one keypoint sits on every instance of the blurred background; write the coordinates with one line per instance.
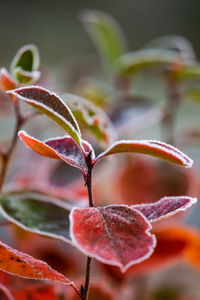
(55, 28)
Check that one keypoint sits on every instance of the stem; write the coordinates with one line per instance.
(89, 259)
(171, 109)
(7, 155)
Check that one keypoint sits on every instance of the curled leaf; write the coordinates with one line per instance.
(106, 34)
(165, 207)
(24, 67)
(51, 105)
(133, 62)
(62, 148)
(18, 263)
(37, 213)
(115, 235)
(149, 147)
(91, 117)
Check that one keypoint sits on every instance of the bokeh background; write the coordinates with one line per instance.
(55, 28)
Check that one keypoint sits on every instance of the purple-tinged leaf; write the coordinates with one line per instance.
(92, 118)
(149, 147)
(62, 148)
(51, 105)
(165, 207)
(116, 235)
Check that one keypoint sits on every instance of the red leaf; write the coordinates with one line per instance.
(164, 208)
(63, 148)
(5, 293)
(96, 292)
(21, 264)
(116, 235)
(36, 293)
(6, 83)
(153, 148)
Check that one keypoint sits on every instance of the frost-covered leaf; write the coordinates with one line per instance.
(92, 118)
(133, 62)
(62, 148)
(18, 263)
(6, 82)
(116, 235)
(51, 105)
(149, 147)
(37, 213)
(165, 207)
(24, 67)
(106, 34)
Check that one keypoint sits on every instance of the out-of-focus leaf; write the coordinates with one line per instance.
(46, 292)
(18, 263)
(62, 148)
(5, 293)
(94, 90)
(106, 34)
(6, 82)
(193, 94)
(24, 67)
(133, 62)
(97, 292)
(191, 71)
(116, 235)
(51, 105)
(153, 148)
(166, 207)
(37, 213)
(174, 42)
(91, 117)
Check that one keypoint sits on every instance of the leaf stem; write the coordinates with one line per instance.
(171, 109)
(7, 155)
(91, 204)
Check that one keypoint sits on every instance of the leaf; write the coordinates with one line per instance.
(133, 62)
(51, 105)
(149, 147)
(92, 118)
(116, 235)
(37, 213)
(5, 293)
(24, 67)
(62, 148)
(106, 34)
(96, 292)
(18, 263)
(6, 82)
(165, 207)
(46, 292)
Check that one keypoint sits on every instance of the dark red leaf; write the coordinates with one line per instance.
(63, 148)
(153, 148)
(164, 208)
(116, 235)
(51, 105)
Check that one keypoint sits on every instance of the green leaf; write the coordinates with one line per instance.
(37, 213)
(51, 105)
(106, 34)
(92, 118)
(24, 67)
(133, 62)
